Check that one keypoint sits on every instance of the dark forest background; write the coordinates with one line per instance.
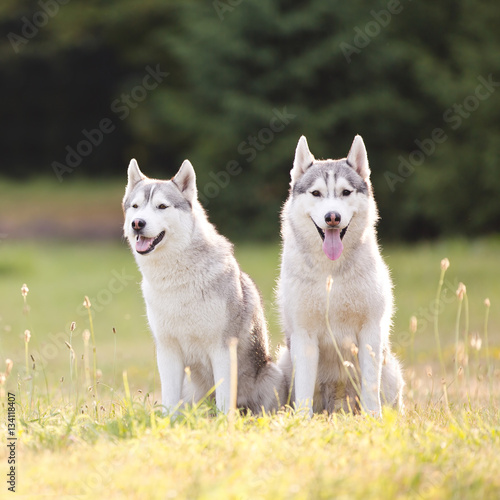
(232, 84)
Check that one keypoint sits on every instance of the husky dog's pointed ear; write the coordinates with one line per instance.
(185, 180)
(358, 158)
(134, 176)
(303, 160)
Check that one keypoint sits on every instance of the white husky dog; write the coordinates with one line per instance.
(197, 298)
(328, 229)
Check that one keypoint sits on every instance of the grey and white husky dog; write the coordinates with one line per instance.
(197, 298)
(328, 229)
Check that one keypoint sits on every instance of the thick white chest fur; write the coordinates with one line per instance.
(359, 313)
(178, 315)
(188, 324)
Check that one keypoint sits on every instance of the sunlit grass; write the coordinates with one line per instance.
(426, 453)
(115, 442)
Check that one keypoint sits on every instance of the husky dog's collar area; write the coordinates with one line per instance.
(322, 233)
(152, 244)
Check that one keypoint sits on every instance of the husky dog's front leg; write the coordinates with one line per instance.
(221, 366)
(370, 362)
(171, 368)
(305, 354)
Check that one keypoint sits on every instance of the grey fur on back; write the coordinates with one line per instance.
(197, 298)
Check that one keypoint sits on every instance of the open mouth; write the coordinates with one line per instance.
(145, 245)
(322, 233)
(332, 240)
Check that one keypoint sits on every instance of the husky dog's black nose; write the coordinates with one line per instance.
(138, 224)
(332, 219)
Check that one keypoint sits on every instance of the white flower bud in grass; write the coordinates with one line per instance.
(461, 291)
(413, 324)
(9, 364)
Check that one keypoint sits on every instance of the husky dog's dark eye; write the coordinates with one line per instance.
(316, 193)
(346, 192)
(162, 206)
(135, 205)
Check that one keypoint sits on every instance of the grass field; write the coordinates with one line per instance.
(74, 442)
(59, 275)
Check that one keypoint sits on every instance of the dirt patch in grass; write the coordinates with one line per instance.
(46, 209)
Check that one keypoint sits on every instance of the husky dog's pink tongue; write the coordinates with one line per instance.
(332, 244)
(143, 244)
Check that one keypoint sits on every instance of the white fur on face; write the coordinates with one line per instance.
(331, 199)
(163, 205)
(145, 204)
(142, 209)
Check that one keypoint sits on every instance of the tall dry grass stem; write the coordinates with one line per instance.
(71, 354)
(466, 344)
(489, 373)
(88, 305)
(27, 334)
(86, 338)
(129, 404)
(413, 330)
(72, 362)
(445, 264)
(233, 376)
(114, 357)
(476, 342)
(329, 284)
(430, 375)
(460, 294)
(32, 382)
(4, 376)
(290, 388)
(24, 292)
(27, 337)
(446, 402)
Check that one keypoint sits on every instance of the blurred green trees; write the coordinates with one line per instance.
(418, 80)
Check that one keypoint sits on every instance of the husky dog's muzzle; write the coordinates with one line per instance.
(332, 235)
(322, 232)
(143, 244)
